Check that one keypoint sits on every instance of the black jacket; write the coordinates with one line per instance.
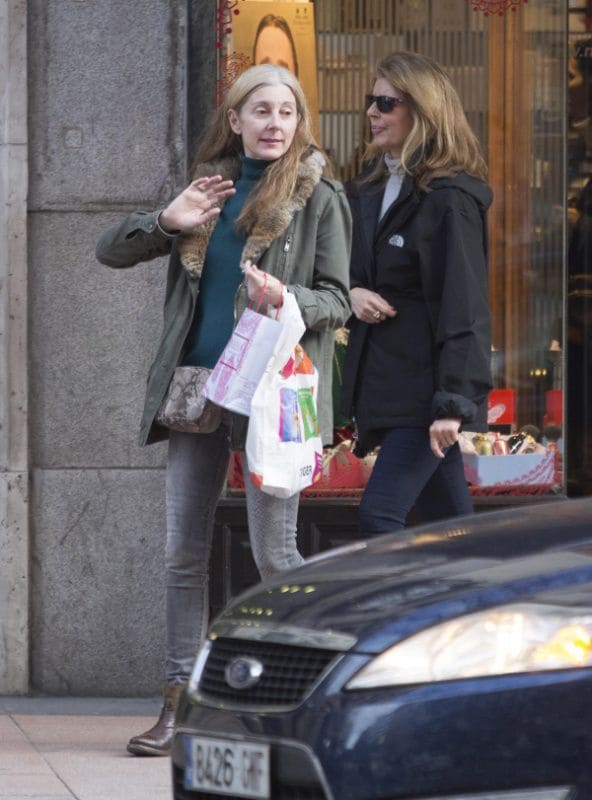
(427, 257)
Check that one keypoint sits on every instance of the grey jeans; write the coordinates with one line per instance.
(196, 472)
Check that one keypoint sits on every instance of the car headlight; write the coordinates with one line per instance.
(497, 641)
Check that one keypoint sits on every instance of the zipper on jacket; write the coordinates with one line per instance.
(286, 249)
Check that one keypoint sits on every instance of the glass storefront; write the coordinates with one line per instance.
(577, 329)
(523, 71)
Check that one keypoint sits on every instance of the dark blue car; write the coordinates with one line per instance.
(452, 661)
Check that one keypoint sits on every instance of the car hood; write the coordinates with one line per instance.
(376, 592)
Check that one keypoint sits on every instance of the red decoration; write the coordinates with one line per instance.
(231, 67)
(501, 407)
(230, 64)
(553, 407)
(493, 7)
(224, 15)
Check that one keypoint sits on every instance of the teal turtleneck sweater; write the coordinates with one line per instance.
(221, 276)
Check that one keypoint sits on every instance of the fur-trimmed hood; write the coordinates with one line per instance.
(271, 223)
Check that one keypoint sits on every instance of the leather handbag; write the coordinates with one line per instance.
(185, 407)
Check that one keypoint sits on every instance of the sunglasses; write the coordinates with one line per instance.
(384, 103)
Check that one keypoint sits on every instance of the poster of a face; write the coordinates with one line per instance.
(280, 33)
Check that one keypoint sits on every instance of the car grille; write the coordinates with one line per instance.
(289, 672)
(278, 791)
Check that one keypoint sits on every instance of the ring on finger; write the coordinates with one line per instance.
(377, 315)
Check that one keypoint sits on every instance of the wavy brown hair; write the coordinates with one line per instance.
(441, 142)
(220, 142)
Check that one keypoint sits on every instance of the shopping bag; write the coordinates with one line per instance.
(239, 369)
(284, 448)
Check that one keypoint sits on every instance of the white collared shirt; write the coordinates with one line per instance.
(393, 184)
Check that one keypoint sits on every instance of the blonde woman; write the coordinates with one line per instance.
(258, 213)
(417, 364)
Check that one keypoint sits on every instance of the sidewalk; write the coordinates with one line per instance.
(65, 748)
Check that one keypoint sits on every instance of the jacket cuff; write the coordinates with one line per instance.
(161, 230)
(447, 405)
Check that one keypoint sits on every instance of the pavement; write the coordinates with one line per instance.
(67, 748)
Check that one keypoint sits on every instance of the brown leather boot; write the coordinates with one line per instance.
(157, 741)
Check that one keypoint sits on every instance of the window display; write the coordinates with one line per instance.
(517, 68)
(578, 308)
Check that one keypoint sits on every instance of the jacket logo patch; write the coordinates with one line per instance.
(396, 240)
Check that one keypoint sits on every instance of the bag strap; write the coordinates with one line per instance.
(262, 295)
(281, 303)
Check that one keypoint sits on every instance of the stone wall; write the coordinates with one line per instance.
(108, 133)
(14, 525)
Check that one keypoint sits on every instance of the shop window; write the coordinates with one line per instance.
(577, 330)
(511, 73)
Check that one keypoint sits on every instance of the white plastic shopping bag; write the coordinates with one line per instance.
(239, 369)
(284, 448)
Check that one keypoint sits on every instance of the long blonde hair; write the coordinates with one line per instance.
(441, 141)
(220, 141)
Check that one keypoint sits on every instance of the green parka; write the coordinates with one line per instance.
(304, 242)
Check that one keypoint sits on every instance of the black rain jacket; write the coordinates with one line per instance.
(428, 258)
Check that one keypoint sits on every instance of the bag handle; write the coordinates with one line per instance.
(259, 300)
(261, 293)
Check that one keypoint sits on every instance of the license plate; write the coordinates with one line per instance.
(227, 767)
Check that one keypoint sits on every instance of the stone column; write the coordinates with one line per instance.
(14, 510)
(106, 111)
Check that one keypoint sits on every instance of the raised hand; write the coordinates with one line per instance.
(196, 205)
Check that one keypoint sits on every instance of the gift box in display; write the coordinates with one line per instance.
(528, 469)
(343, 472)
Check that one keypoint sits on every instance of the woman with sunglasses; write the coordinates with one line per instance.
(417, 367)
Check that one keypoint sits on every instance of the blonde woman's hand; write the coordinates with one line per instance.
(369, 306)
(443, 433)
(261, 286)
(196, 205)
